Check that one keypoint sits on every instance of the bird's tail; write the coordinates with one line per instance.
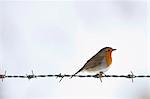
(77, 72)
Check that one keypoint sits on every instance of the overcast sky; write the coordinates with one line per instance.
(52, 37)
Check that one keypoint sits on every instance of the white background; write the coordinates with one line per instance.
(52, 37)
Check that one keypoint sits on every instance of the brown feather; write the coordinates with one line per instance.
(94, 61)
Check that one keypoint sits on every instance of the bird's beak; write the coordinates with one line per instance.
(114, 49)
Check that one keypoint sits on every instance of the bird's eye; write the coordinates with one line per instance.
(108, 50)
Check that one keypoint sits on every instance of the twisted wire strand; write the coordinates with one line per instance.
(31, 76)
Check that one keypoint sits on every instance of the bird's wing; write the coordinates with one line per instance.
(94, 61)
(91, 63)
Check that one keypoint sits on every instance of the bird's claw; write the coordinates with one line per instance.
(101, 75)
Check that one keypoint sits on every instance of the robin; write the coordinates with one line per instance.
(99, 63)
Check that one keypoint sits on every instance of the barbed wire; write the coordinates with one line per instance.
(31, 76)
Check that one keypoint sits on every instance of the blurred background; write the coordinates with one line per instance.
(52, 37)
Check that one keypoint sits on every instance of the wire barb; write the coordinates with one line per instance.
(131, 76)
(31, 76)
(62, 76)
(2, 76)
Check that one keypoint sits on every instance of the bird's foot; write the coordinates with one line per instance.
(101, 74)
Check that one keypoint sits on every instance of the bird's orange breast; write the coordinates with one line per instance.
(108, 58)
